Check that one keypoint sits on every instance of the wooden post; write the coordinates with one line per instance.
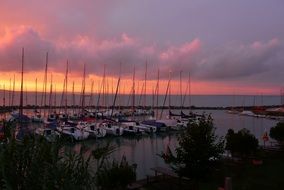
(228, 183)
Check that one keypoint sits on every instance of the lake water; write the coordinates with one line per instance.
(144, 150)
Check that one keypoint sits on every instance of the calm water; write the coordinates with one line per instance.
(143, 150)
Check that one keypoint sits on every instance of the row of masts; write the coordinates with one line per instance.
(102, 94)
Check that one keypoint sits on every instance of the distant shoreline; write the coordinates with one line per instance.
(5, 109)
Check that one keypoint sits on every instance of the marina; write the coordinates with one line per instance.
(144, 149)
(141, 95)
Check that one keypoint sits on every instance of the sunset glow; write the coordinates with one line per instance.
(101, 34)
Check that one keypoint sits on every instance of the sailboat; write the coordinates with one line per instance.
(171, 124)
(49, 134)
(18, 116)
(92, 128)
(152, 124)
(182, 119)
(63, 115)
(131, 126)
(22, 120)
(112, 127)
(51, 117)
(70, 131)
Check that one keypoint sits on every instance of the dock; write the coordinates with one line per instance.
(163, 179)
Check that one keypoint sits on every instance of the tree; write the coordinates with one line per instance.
(198, 151)
(277, 132)
(242, 143)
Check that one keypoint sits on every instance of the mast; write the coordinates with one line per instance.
(43, 97)
(73, 98)
(141, 95)
(13, 92)
(10, 84)
(189, 91)
(145, 85)
(153, 97)
(4, 95)
(99, 95)
(35, 93)
(124, 96)
(54, 99)
(137, 90)
(83, 90)
(112, 89)
(282, 96)
(116, 92)
(50, 94)
(104, 86)
(22, 81)
(63, 102)
(180, 89)
(133, 92)
(119, 97)
(66, 83)
(167, 92)
(91, 96)
(170, 93)
(107, 93)
(26, 95)
(157, 94)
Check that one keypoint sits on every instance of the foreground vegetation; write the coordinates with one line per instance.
(247, 175)
(34, 163)
(250, 167)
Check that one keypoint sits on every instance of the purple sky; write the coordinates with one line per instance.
(239, 43)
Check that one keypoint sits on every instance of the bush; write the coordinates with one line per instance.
(199, 149)
(277, 132)
(115, 175)
(37, 164)
(242, 143)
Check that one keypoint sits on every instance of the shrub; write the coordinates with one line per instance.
(115, 175)
(277, 132)
(242, 143)
(37, 164)
(199, 149)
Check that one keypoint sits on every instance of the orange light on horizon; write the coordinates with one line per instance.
(197, 87)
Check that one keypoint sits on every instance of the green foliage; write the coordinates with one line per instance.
(199, 149)
(277, 132)
(115, 175)
(100, 154)
(242, 143)
(37, 164)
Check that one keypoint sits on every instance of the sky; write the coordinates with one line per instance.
(228, 47)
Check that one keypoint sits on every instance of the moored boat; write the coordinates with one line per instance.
(49, 134)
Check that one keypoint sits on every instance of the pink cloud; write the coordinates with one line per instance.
(184, 50)
(95, 53)
(245, 63)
